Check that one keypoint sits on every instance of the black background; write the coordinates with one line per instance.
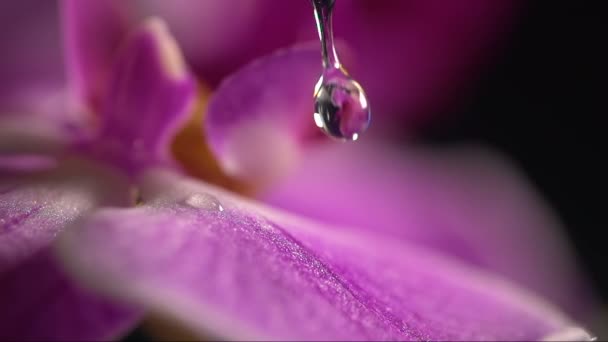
(543, 103)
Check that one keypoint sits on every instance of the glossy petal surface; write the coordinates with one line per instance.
(223, 265)
(467, 202)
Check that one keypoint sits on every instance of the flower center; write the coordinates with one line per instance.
(189, 147)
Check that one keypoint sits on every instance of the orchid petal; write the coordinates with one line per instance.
(412, 57)
(21, 134)
(12, 165)
(38, 301)
(218, 38)
(34, 115)
(258, 116)
(232, 268)
(93, 31)
(31, 65)
(41, 303)
(467, 202)
(34, 209)
(150, 96)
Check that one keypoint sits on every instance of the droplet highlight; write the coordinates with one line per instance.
(341, 107)
(204, 201)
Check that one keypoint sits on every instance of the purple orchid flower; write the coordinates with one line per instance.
(103, 219)
(405, 41)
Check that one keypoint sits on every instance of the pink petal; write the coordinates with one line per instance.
(258, 117)
(412, 57)
(218, 37)
(223, 265)
(31, 53)
(93, 30)
(37, 134)
(150, 96)
(38, 301)
(34, 115)
(34, 209)
(248, 30)
(466, 202)
(25, 163)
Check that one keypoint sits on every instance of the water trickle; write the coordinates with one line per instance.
(204, 201)
(341, 107)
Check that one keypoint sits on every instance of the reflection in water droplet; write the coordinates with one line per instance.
(204, 201)
(341, 106)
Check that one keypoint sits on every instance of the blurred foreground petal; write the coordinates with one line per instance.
(34, 209)
(38, 301)
(21, 134)
(225, 266)
(41, 303)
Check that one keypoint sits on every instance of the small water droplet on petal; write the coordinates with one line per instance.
(204, 201)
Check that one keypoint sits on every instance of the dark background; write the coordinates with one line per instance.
(543, 103)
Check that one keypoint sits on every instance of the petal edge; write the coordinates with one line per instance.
(283, 277)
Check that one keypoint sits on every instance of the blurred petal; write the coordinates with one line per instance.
(223, 265)
(33, 82)
(150, 97)
(33, 134)
(25, 163)
(411, 56)
(190, 149)
(30, 65)
(38, 301)
(467, 202)
(258, 117)
(35, 209)
(216, 37)
(93, 31)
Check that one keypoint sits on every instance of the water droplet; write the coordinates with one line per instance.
(341, 106)
(204, 201)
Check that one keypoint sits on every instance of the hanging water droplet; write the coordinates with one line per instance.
(341, 107)
(204, 201)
